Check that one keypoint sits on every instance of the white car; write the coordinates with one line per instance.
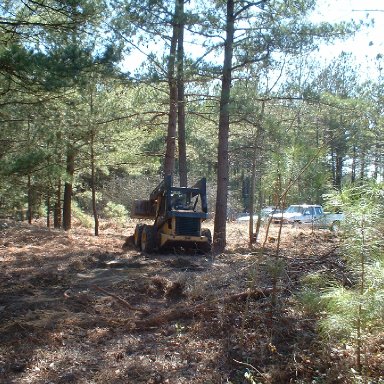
(308, 214)
(246, 217)
(265, 212)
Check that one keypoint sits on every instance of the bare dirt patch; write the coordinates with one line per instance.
(76, 308)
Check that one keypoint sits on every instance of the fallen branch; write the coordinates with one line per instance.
(120, 300)
(249, 366)
(190, 311)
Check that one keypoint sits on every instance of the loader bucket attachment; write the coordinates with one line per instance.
(143, 209)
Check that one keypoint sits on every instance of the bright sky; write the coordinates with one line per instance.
(367, 43)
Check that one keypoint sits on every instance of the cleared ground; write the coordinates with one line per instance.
(75, 308)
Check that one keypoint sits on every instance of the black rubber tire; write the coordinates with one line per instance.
(148, 239)
(207, 233)
(335, 226)
(296, 224)
(206, 247)
(137, 235)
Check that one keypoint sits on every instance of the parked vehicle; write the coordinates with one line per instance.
(309, 214)
(265, 213)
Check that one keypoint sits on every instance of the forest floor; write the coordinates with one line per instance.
(75, 308)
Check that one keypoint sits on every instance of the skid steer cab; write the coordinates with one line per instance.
(178, 214)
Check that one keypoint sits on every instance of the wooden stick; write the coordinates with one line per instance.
(190, 311)
(120, 300)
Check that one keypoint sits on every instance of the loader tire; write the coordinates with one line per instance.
(206, 247)
(137, 235)
(148, 239)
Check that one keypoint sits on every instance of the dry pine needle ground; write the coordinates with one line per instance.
(76, 308)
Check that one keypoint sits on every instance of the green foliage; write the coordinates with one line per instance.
(354, 312)
(343, 316)
(341, 308)
(115, 212)
(314, 285)
(83, 218)
(84, 200)
(26, 162)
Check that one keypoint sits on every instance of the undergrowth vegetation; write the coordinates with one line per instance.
(350, 305)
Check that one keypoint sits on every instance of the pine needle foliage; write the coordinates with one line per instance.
(353, 313)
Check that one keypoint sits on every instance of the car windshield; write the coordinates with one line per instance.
(294, 209)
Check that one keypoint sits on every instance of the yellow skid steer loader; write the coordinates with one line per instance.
(178, 214)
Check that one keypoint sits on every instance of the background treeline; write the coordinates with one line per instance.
(83, 126)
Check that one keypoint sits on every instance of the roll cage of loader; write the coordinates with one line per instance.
(178, 213)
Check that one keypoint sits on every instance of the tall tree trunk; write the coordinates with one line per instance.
(337, 168)
(48, 204)
(333, 167)
(93, 165)
(362, 165)
(222, 157)
(259, 208)
(169, 163)
(29, 211)
(57, 208)
(57, 218)
(183, 173)
(339, 171)
(29, 200)
(93, 186)
(256, 164)
(251, 239)
(67, 215)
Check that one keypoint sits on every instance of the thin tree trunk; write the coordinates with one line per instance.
(259, 208)
(362, 166)
(29, 211)
(255, 163)
(169, 163)
(67, 215)
(93, 187)
(57, 218)
(339, 171)
(180, 95)
(333, 166)
(48, 203)
(29, 200)
(222, 159)
(57, 210)
(252, 198)
(93, 166)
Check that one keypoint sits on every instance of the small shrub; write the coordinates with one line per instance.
(84, 219)
(314, 285)
(353, 315)
(116, 212)
(84, 200)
